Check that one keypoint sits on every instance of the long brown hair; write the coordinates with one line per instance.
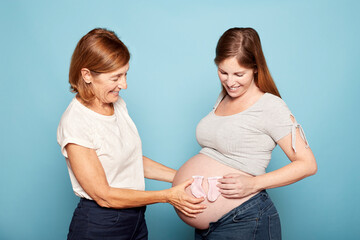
(100, 51)
(245, 45)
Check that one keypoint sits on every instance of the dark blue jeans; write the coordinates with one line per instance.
(90, 221)
(255, 219)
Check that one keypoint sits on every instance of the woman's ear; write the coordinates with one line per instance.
(86, 75)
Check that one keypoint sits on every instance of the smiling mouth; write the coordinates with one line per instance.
(234, 88)
(115, 92)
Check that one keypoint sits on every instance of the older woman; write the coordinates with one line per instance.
(237, 138)
(103, 149)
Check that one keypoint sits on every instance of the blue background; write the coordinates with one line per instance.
(312, 49)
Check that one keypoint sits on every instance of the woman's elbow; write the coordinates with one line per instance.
(312, 168)
(111, 199)
(102, 203)
(103, 198)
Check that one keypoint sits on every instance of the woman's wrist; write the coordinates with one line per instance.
(165, 195)
(258, 184)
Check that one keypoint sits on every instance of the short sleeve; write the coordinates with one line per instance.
(74, 131)
(279, 122)
(277, 119)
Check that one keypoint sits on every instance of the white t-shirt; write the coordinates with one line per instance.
(114, 138)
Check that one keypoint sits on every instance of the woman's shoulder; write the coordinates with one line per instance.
(71, 108)
(273, 101)
(75, 112)
(274, 106)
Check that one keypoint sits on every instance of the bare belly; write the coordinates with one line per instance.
(203, 165)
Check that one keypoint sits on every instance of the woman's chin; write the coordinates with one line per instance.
(234, 93)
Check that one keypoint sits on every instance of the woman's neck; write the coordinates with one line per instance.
(97, 106)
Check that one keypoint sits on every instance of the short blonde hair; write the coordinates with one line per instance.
(100, 51)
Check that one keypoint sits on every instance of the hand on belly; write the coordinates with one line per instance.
(209, 171)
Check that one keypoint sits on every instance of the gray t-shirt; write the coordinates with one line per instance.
(245, 140)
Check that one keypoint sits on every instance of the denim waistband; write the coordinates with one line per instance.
(91, 203)
(88, 203)
(261, 196)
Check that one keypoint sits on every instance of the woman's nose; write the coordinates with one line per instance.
(230, 80)
(122, 83)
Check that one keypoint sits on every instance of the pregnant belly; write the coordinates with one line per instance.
(203, 165)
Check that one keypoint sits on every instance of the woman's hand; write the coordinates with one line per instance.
(190, 206)
(236, 185)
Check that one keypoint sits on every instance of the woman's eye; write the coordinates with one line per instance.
(239, 75)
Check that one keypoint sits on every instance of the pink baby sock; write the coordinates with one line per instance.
(213, 192)
(196, 188)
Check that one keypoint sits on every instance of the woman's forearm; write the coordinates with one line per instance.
(157, 171)
(303, 164)
(91, 176)
(291, 173)
(127, 198)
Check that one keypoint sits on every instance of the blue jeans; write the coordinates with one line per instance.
(255, 219)
(90, 221)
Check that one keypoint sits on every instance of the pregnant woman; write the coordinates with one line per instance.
(237, 138)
